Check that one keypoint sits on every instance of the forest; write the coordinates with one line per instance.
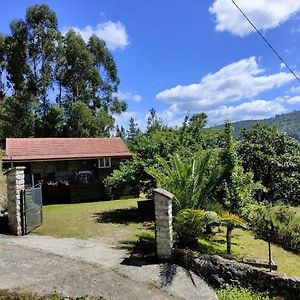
(55, 85)
(289, 123)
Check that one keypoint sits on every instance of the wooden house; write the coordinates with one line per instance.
(69, 169)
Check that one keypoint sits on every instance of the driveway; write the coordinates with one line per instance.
(73, 267)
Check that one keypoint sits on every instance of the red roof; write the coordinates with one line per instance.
(23, 149)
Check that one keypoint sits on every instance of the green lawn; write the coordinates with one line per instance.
(114, 221)
(120, 223)
(297, 209)
(245, 245)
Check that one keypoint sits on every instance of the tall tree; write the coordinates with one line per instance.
(120, 132)
(153, 122)
(238, 188)
(2, 65)
(274, 159)
(17, 57)
(43, 35)
(35, 58)
(78, 71)
(133, 131)
(103, 90)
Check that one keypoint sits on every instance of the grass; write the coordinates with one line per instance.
(238, 293)
(119, 223)
(9, 295)
(297, 210)
(244, 244)
(113, 221)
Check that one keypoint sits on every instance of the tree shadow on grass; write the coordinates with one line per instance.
(208, 244)
(123, 216)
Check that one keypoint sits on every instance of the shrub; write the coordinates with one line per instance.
(279, 222)
(188, 225)
(240, 293)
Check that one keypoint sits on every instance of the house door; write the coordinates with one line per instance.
(32, 209)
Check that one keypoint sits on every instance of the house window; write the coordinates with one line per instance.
(104, 162)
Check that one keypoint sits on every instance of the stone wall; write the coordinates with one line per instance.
(163, 223)
(218, 272)
(15, 180)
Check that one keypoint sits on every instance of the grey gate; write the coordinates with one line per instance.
(32, 209)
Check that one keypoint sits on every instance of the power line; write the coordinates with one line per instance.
(277, 54)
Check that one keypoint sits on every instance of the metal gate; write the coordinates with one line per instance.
(32, 209)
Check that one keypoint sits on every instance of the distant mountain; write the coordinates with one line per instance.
(290, 123)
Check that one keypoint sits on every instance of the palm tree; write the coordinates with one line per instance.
(191, 181)
(231, 221)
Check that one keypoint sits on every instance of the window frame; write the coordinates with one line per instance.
(106, 164)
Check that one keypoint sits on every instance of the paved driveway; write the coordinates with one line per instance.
(72, 267)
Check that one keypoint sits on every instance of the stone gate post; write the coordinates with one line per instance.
(15, 179)
(163, 223)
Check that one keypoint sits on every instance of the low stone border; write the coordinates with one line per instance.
(218, 272)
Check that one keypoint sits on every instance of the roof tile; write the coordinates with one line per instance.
(64, 148)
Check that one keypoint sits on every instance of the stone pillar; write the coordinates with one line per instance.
(163, 223)
(15, 180)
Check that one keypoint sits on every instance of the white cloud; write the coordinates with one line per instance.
(254, 110)
(293, 100)
(265, 14)
(242, 80)
(171, 118)
(123, 119)
(129, 96)
(295, 30)
(294, 90)
(113, 33)
(282, 66)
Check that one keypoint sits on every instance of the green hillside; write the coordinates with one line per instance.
(290, 123)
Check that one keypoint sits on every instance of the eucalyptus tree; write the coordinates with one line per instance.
(2, 65)
(42, 40)
(78, 72)
(104, 89)
(17, 68)
(41, 67)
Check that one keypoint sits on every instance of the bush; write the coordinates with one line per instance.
(279, 222)
(240, 293)
(188, 225)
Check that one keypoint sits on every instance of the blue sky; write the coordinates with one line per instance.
(190, 56)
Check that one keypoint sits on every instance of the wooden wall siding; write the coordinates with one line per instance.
(87, 192)
(53, 194)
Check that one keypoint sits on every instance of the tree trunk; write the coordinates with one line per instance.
(228, 238)
(208, 228)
